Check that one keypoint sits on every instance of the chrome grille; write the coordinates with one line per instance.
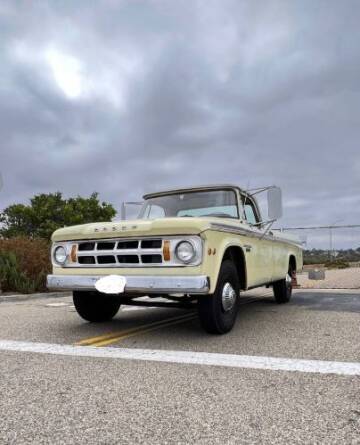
(120, 252)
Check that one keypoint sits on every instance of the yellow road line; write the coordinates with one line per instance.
(100, 338)
(143, 331)
(107, 339)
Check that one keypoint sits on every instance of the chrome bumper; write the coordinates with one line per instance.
(135, 284)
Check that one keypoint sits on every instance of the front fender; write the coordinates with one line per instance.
(216, 244)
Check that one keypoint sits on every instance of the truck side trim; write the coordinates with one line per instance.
(246, 232)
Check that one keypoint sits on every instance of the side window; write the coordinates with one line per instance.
(250, 213)
(154, 212)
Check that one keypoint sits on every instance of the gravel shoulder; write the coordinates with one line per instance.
(334, 279)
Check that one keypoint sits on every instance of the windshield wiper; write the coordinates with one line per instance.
(219, 215)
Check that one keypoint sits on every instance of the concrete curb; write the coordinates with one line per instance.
(26, 297)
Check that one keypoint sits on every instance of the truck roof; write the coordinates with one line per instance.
(199, 188)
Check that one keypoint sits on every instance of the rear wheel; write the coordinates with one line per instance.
(218, 312)
(94, 306)
(283, 288)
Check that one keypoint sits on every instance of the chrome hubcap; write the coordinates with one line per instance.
(228, 297)
(288, 281)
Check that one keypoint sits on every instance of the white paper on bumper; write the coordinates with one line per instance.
(111, 284)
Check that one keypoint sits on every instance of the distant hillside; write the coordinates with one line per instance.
(319, 256)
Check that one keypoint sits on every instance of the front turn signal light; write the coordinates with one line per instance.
(166, 250)
(73, 253)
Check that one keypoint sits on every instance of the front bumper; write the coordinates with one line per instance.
(199, 284)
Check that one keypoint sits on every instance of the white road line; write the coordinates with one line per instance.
(60, 304)
(136, 308)
(187, 357)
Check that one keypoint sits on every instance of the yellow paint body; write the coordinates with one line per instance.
(266, 255)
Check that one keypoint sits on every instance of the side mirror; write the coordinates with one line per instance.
(274, 199)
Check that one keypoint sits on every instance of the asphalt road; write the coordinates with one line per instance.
(48, 398)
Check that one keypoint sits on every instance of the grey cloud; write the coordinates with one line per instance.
(182, 93)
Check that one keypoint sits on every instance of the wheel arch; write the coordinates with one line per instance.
(237, 256)
(292, 262)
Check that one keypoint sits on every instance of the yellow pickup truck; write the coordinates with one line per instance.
(197, 246)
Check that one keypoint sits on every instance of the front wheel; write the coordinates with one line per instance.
(94, 306)
(218, 312)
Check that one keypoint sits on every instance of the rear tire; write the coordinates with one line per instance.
(283, 289)
(94, 306)
(218, 312)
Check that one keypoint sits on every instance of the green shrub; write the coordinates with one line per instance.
(336, 264)
(48, 212)
(24, 264)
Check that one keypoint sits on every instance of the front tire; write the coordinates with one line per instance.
(218, 312)
(94, 306)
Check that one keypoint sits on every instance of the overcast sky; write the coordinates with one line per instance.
(127, 97)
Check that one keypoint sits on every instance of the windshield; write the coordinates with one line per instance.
(218, 203)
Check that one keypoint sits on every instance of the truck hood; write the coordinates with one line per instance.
(136, 227)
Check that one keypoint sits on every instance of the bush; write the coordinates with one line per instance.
(24, 264)
(336, 264)
(48, 212)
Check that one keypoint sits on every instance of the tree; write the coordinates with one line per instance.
(48, 212)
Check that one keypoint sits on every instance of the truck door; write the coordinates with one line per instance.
(258, 250)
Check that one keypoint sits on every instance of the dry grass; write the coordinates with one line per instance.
(32, 261)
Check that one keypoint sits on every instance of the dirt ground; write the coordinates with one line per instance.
(334, 279)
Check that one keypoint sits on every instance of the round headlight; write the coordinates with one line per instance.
(185, 251)
(60, 255)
